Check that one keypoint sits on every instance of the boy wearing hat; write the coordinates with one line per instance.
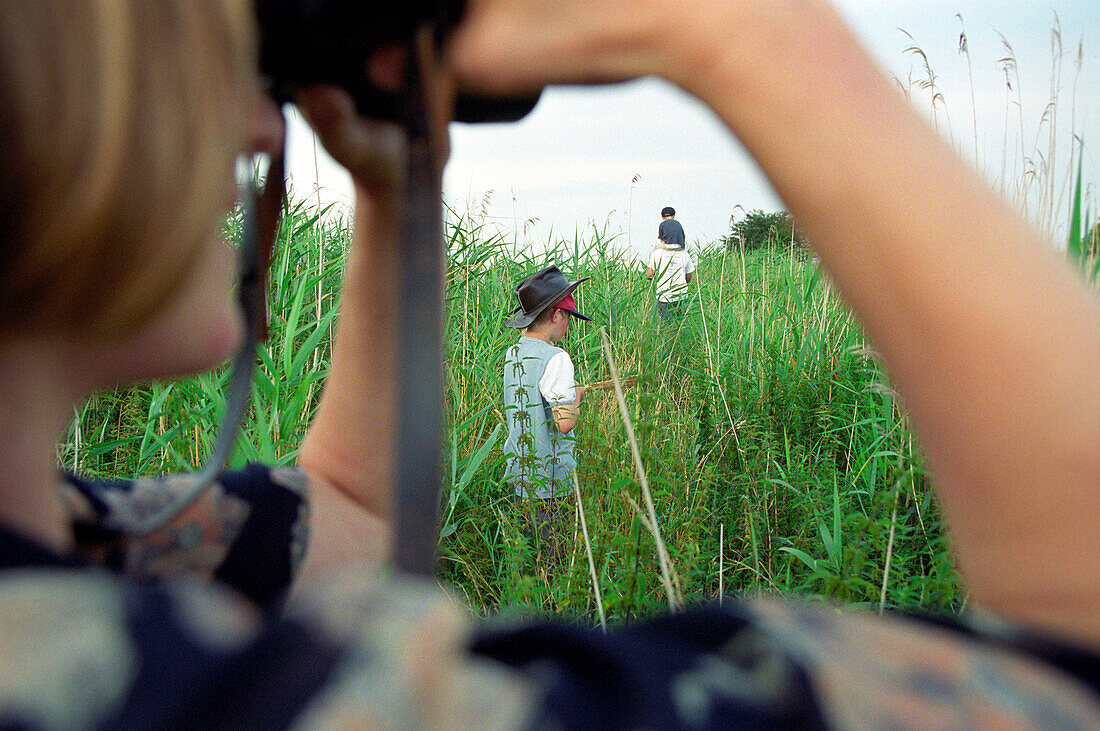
(541, 398)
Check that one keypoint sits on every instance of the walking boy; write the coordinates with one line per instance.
(541, 400)
(672, 264)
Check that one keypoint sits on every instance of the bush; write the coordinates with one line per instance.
(758, 230)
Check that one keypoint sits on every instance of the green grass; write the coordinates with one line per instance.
(763, 419)
(777, 454)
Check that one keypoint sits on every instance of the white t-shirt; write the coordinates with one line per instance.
(671, 267)
(557, 384)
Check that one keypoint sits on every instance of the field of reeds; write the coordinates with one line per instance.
(776, 456)
(759, 449)
(775, 452)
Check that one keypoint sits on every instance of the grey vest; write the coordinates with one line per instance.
(538, 458)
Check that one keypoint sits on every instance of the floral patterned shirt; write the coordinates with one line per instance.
(187, 627)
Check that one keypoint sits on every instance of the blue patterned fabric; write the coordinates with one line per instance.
(785, 665)
(185, 628)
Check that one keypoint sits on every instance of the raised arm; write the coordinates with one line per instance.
(988, 334)
(991, 338)
(348, 453)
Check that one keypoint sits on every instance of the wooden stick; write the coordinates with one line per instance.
(609, 384)
(889, 552)
(721, 559)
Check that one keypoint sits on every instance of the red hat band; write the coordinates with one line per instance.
(567, 302)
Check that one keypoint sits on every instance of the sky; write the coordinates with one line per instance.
(610, 158)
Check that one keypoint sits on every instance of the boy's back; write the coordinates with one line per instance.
(671, 267)
(539, 459)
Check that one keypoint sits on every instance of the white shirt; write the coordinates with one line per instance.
(557, 384)
(671, 267)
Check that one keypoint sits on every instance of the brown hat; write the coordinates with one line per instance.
(539, 291)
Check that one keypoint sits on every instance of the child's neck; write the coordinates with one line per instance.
(537, 334)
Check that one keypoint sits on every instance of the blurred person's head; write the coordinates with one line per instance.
(121, 122)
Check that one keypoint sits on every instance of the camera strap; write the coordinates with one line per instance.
(262, 210)
(420, 354)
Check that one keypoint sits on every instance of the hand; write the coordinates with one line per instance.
(374, 152)
(515, 46)
(266, 126)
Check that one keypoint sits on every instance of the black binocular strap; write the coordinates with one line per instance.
(420, 354)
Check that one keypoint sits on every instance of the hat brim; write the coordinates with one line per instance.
(523, 319)
(576, 314)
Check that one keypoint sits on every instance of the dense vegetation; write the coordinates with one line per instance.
(777, 455)
(758, 230)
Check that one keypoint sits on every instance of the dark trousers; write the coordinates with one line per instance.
(548, 522)
(670, 310)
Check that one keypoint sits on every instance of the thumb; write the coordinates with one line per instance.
(372, 151)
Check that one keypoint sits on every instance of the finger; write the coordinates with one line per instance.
(372, 151)
(266, 126)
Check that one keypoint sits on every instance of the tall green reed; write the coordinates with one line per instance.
(761, 418)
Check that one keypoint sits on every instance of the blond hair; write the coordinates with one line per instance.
(121, 120)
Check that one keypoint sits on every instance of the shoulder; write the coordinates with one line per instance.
(557, 361)
(546, 349)
(932, 672)
(557, 380)
(90, 650)
(130, 505)
(114, 645)
(795, 665)
(407, 663)
(559, 355)
(247, 529)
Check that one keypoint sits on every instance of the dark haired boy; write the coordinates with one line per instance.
(541, 401)
(672, 265)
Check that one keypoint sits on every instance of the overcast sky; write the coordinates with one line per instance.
(605, 156)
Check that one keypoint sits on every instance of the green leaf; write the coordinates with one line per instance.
(804, 557)
(292, 323)
(477, 458)
(320, 332)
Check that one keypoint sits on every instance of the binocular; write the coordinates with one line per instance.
(305, 42)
